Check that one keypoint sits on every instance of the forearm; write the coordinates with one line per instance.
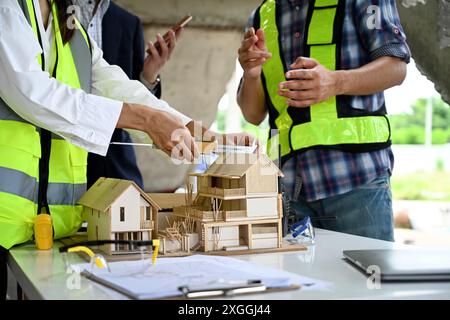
(135, 117)
(251, 100)
(200, 133)
(110, 81)
(166, 131)
(377, 76)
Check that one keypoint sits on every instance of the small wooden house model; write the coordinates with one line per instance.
(118, 210)
(166, 202)
(238, 206)
(176, 236)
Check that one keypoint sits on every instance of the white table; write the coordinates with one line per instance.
(42, 274)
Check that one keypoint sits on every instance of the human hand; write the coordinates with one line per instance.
(159, 54)
(171, 136)
(240, 139)
(308, 83)
(253, 53)
(233, 139)
(166, 130)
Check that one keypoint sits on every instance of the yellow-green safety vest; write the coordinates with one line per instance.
(332, 123)
(40, 171)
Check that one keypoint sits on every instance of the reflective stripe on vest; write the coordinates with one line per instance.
(22, 185)
(19, 184)
(28, 9)
(20, 150)
(65, 194)
(7, 114)
(320, 125)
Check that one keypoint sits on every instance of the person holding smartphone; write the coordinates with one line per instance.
(120, 35)
(319, 70)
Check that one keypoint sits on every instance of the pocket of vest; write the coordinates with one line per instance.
(78, 161)
(20, 136)
(19, 148)
(78, 156)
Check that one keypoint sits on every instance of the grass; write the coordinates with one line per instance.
(422, 186)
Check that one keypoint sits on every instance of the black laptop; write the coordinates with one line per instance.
(404, 264)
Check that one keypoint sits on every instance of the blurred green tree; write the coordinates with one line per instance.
(409, 128)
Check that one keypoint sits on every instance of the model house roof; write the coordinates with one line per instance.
(106, 191)
(236, 165)
(168, 200)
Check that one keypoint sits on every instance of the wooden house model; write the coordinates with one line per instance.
(176, 235)
(118, 210)
(238, 206)
(165, 202)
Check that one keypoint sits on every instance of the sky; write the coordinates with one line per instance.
(416, 86)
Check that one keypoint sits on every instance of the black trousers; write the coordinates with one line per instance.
(3, 273)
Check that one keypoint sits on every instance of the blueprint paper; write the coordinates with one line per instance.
(142, 280)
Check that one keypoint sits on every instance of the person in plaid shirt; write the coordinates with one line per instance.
(341, 190)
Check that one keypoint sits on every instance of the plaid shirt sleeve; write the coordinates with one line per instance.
(380, 30)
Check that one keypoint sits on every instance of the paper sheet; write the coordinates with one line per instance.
(146, 281)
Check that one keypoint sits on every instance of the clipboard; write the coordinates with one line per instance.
(185, 293)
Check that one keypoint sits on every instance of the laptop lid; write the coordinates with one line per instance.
(404, 264)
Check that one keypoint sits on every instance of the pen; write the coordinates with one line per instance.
(219, 149)
(150, 145)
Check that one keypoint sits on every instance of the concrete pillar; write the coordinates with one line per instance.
(202, 65)
(427, 26)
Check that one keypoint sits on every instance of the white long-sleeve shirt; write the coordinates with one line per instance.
(85, 120)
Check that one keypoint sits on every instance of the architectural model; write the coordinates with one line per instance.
(238, 206)
(118, 210)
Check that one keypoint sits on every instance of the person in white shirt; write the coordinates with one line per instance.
(120, 35)
(85, 120)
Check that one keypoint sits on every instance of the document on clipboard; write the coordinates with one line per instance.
(194, 277)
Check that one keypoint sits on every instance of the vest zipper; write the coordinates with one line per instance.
(44, 162)
(44, 165)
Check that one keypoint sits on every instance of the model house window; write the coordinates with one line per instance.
(148, 213)
(122, 214)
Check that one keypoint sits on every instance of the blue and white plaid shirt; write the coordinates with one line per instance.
(320, 174)
(91, 22)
